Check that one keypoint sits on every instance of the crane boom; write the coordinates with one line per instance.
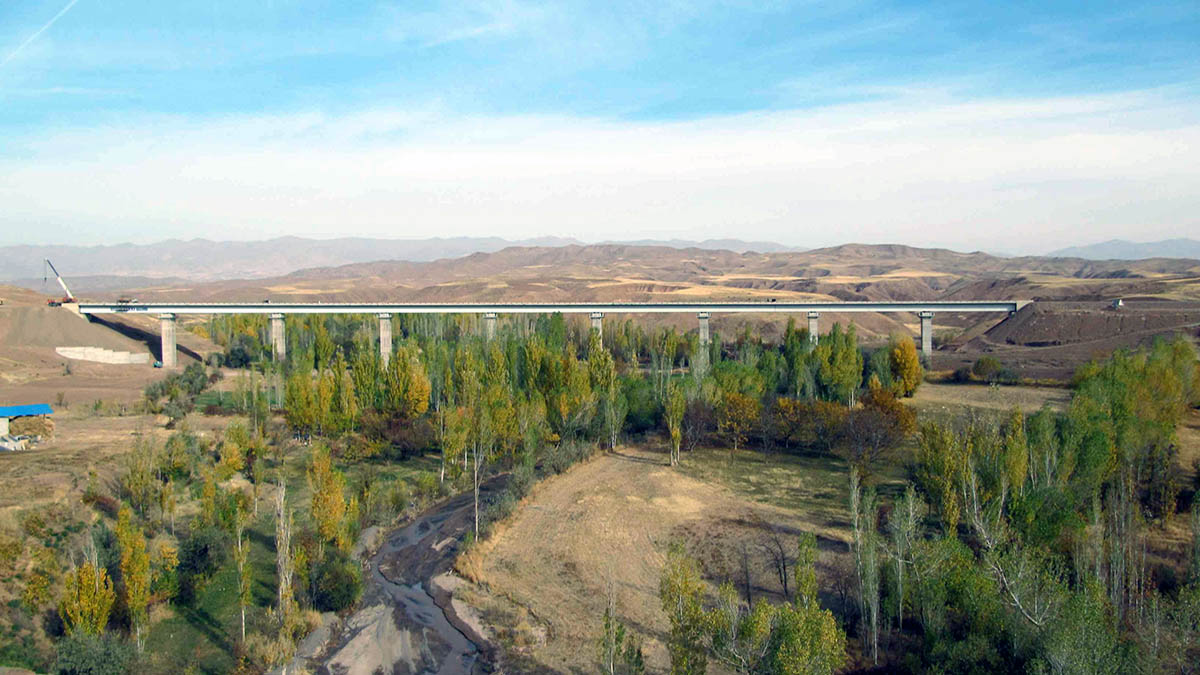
(67, 297)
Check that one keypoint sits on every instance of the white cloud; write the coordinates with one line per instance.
(1015, 175)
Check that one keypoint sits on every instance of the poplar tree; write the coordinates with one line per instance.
(905, 365)
(135, 572)
(87, 599)
(284, 565)
(676, 403)
(299, 402)
(328, 504)
(241, 555)
(602, 373)
(681, 591)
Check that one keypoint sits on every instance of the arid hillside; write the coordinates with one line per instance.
(852, 272)
(626, 272)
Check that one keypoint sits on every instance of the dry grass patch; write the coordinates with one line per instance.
(604, 527)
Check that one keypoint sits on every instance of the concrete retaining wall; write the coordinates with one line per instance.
(101, 355)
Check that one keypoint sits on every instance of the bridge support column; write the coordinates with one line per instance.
(278, 338)
(489, 325)
(169, 357)
(927, 338)
(385, 338)
(813, 328)
(703, 316)
(598, 323)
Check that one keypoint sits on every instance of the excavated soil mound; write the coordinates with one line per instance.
(1040, 325)
(58, 327)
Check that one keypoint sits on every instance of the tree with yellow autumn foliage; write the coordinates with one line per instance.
(87, 599)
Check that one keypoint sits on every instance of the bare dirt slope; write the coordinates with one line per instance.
(607, 525)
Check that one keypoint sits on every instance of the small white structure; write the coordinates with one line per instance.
(1118, 303)
(101, 355)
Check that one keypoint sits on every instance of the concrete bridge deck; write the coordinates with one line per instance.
(167, 311)
(545, 308)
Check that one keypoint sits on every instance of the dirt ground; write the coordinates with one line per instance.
(936, 396)
(605, 527)
(56, 470)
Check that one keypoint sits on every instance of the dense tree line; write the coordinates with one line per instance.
(1025, 545)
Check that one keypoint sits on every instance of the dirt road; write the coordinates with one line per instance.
(405, 624)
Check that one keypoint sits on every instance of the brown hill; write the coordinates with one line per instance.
(853, 272)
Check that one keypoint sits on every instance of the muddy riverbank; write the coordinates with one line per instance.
(406, 622)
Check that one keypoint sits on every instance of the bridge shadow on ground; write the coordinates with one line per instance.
(153, 341)
(641, 460)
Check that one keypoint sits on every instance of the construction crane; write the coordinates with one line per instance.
(67, 297)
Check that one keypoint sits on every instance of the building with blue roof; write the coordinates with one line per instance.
(8, 412)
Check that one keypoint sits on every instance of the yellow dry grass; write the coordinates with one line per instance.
(604, 528)
(933, 397)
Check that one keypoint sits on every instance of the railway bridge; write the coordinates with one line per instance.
(168, 311)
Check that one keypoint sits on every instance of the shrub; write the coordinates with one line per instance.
(427, 487)
(503, 507)
(558, 458)
(82, 654)
(201, 555)
(337, 582)
(986, 368)
(522, 480)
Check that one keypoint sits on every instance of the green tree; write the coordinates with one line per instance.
(676, 404)
(135, 573)
(241, 558)
(42, 576)
(839, 364)
(80, 653)
(682, 594)
(300, 403)
(406, 386)
(602, 373)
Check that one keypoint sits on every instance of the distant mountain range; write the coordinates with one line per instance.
(205, 260)
(1121, 249)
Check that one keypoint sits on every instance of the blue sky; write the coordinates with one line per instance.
(958, 124)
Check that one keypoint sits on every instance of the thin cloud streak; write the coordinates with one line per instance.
(37, 33)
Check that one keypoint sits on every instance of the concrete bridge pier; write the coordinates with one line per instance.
(489, 325)
(703, 316)
(278, 338)
(169, 357)
(385, 338)
(598, 323)
(813, 326)
(926, 338)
